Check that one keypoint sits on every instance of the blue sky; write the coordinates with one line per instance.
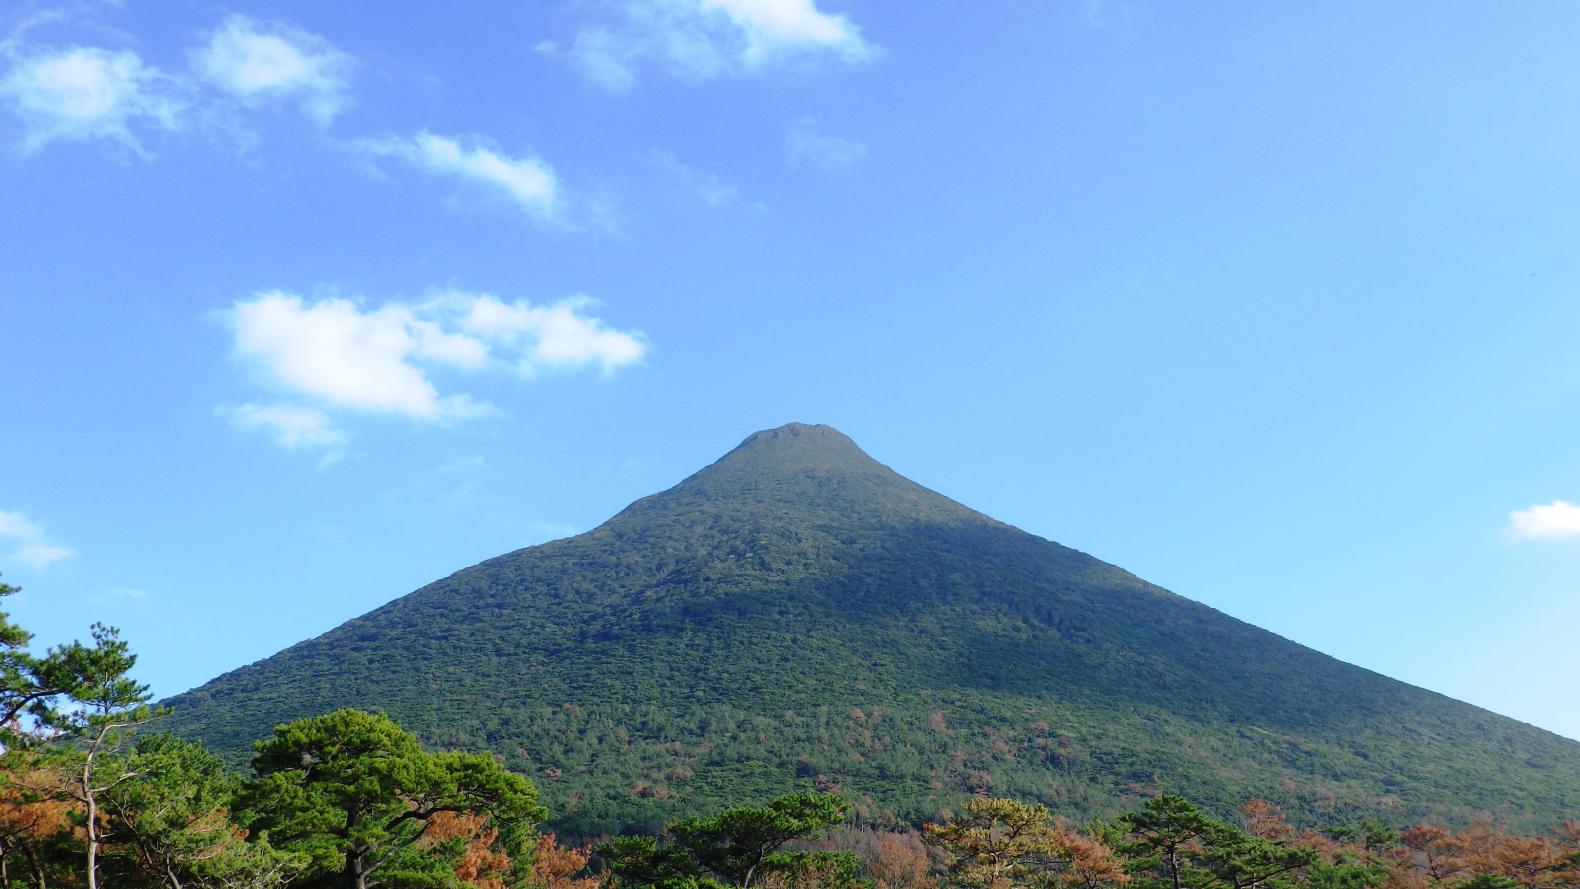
(1273, 304)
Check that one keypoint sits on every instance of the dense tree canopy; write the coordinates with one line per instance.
(91, 796)
(351, 790)
(798, 609)
(740, 846)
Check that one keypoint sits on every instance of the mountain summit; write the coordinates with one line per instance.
(804, 469)
(799, 614)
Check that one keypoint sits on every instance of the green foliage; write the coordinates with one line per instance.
(97, 678)
(350, 790)
(1002, 843)
(740, 846)
(642, 861)
(1236, 860)
(19, 686)
(1164, 839)
(1173, 844)
(172, 815)
(1489, 881)
(109, 705)
(1345, 875)
(799, 614)
(1368, 833)
(28, 684)
(997, 842)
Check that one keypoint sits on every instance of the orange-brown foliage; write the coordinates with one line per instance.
(898, 861)
(556, 867)
(33, 815)
(1088, 862)
(481, 865)
(1437, 854)
(1265, 820)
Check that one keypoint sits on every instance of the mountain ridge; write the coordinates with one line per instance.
(797, 612)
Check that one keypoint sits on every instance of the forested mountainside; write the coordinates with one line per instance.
(797, 614)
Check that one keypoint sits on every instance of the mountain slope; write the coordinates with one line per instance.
(799, 613)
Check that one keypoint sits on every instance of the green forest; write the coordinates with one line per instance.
(798, 609)
(94, 794)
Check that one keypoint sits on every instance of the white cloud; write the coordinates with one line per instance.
(805, 145)
(292, 425)
(708, 188)
(259, 61)
(606, 59)
(697, 40)
(345, 357)
(527, 181)
(778, 26)
(334, 356)
(26, 542)
(86, 93)
(558, 335)
(1553, 521)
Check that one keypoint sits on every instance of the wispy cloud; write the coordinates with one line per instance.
(132, 597)
(695, 40)
(707, 187)
(257, 61)
(553, 336)
(87, 93)
(83, 93)
(25, 542)
(1557, 520)
(293, 426)
(333, 357)
(526, 181)
(805, 145)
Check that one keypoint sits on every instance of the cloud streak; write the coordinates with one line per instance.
(526, 181)
(559, 335)
(292, 426)
(26, 542)
(697, 40)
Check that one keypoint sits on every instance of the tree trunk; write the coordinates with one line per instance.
(353, 877)
(91, 804)
(90, 826)
(38, 869)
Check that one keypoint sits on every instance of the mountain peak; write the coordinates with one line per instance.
(796, 449)
(797, 609)
(800, 437)
(803, 468)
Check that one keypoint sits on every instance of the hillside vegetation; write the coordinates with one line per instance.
(798, 615)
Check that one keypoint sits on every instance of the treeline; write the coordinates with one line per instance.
(91, 795)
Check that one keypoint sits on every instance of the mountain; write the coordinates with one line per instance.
(798, 614)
